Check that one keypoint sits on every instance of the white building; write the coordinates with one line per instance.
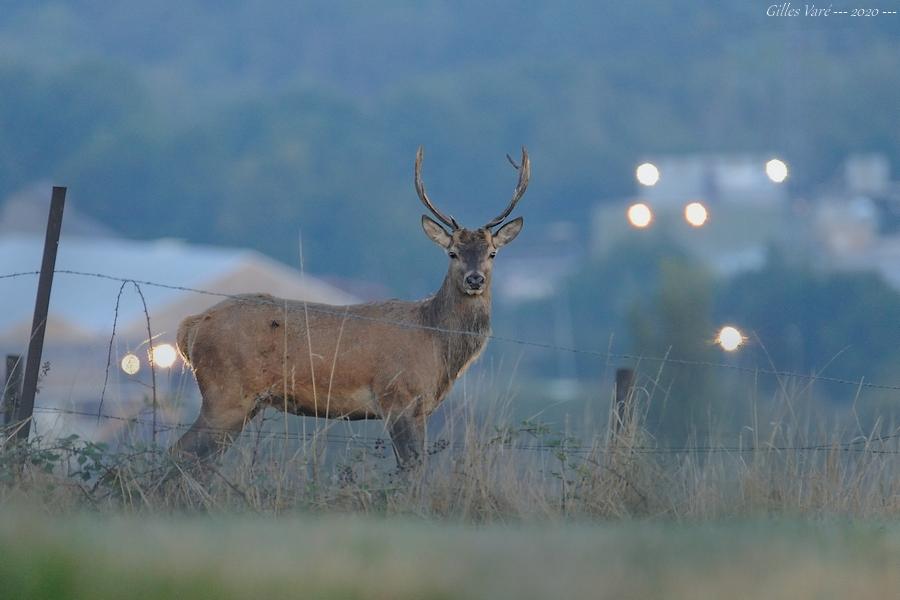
(714, 179)
(856, 223)
(746, 210)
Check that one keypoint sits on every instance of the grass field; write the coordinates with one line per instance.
(346, 557)
(502, 508)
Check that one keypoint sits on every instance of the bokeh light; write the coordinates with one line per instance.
(730, 338)
(777, 170)
(647, 174)
(639, 215)
(696, 214)
(164, 355)
(131, 364)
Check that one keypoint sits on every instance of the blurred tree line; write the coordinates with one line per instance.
(651, 300)
(246, 122)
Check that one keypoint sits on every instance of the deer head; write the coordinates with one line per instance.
(472, 251)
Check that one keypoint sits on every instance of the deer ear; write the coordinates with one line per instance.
(508, 232)
(435, 232)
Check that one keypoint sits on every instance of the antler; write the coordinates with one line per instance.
(524, 175)
(420, 189)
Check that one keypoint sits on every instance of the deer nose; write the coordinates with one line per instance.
(474, 280)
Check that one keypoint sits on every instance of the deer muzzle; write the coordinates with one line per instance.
(474, 282)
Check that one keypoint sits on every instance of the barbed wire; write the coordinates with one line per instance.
(861, 445)
(602, 354)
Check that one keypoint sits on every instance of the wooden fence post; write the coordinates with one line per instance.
(13, 387)
(624, 397)
(41, 308)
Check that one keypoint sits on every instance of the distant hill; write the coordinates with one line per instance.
(244, 122)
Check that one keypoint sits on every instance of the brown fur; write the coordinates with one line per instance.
(393, 360)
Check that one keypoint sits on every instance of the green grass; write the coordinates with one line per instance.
(347, 556)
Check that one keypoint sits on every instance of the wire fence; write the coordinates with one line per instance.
(602, 354)
(862, 444)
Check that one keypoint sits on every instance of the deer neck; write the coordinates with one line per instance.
(453, 310)
(449, 311)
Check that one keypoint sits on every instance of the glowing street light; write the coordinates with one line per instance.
(696, 214)
(776, 170)
(164, 355)
(647, 174)
(639, 215)
(730, 338)
(131, 364)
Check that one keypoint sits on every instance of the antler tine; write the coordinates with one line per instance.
(420, 189)
(524, 175)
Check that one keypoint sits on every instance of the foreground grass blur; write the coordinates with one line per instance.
(344, 556)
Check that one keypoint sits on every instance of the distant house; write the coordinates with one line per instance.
(856, 220)
(746, 210)
(713, 178)
(83, 306)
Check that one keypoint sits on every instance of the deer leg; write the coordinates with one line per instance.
(208, 438)
(408, 435)
(222, 417)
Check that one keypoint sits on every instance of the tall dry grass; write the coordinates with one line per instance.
(488, 465)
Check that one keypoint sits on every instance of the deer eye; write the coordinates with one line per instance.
(452, 254)
(493, 254)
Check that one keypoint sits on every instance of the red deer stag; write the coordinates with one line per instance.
(391, 360)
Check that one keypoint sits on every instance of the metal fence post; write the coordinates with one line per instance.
(41, 308)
